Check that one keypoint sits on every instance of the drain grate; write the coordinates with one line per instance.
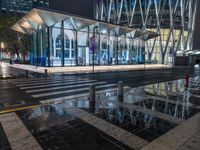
(4, 144)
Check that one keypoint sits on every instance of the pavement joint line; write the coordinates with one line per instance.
(20, 108)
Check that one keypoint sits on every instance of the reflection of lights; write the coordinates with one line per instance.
(196, 66)
(108, 94)
(110, 105)
(83, 104)
(3, 66)
(2, 45)
(104, 31)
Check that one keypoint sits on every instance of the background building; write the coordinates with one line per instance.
(174, 20)
(21, 6)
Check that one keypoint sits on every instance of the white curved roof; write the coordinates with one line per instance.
(38, 18)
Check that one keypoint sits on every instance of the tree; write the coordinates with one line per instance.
(15, 43)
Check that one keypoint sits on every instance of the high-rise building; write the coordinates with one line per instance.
(174, 20)
(124, 31)
(21, 6)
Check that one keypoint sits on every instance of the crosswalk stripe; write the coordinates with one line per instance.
(56, 84)
(62, 87)
(26, 79)
(69, 91)
(49, 82)
(75, 96)
(43, 79)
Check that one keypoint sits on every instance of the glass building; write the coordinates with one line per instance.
(124, 32)
(174, 20)
(61, 39)
(21, 6)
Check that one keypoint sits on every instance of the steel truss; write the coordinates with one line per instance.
(175, 17)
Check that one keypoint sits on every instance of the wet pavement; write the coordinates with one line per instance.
(20, 92)
(156, 109)
(55, 128)
(68, 126)
(7, 72)
(4, 144)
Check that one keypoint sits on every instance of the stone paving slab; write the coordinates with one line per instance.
(121, 135)
(18, 135)
(193, 143)
(178, 137)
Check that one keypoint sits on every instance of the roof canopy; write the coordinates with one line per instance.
(42, 17)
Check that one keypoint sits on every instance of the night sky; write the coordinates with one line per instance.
(85, 8)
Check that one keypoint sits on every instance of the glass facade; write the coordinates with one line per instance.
(61, 45)
(174, 20)
(127, 33)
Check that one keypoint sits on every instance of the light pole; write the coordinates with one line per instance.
(93, 47)
(144, 59)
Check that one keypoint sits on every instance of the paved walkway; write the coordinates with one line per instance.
(7, 72)
(88, 69)
(165, 117)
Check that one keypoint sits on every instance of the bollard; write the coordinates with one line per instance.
(120, 92)
(26, 72)
(46, 72)
(92, 93)
(92, 98)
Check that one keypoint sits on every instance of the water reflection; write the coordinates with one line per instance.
(138, 123)
(175, 110)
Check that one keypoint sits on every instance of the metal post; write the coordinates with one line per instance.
(92, 93)
(94, 48)
(26, 72)
(49, 45)
(37, 48)
(144, 60)
(63, 44)
(46, 72)
(120, 92)
(92, 97)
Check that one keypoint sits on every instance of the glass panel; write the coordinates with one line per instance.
(83, 56)
(104, 55)
(69, 48)
(56, 52)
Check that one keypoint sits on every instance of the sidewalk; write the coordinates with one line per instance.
(88, 69)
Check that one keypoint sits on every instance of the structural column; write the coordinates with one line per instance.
(49, 45)
(76, 48)
(62, 44)
(37, 48)
(116, 56)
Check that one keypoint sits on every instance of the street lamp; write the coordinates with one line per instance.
(93, 47)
